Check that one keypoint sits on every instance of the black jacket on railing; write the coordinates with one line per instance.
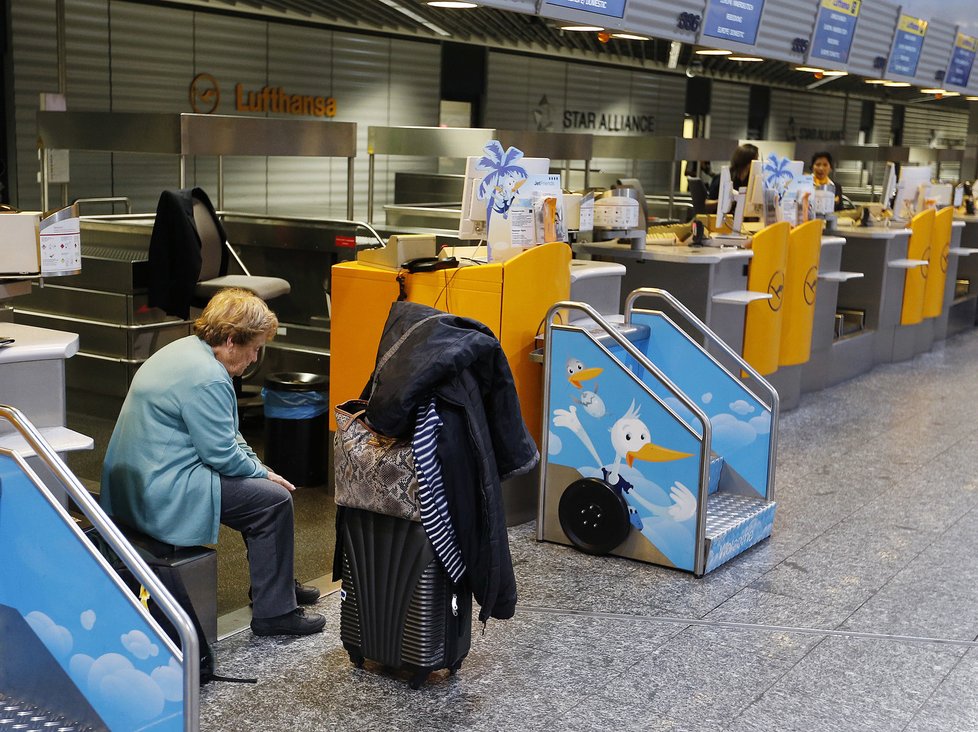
(484, 440)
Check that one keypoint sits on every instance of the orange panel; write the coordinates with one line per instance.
(940, 250)
(362, 296)
(915, 281)
(801, 280)
(762, 321)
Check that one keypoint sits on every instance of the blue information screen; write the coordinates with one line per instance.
(834, 28)
(907, 44)
(733, 20)
(962, 59)
(614, 8)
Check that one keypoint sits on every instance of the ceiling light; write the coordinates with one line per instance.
(713, 52)
(875, 81)
(592, 28)
(972, 99)
(951, 94)
(629, 37)
(836, 73)
(744, 58)
(896, 84)
(932, 91)
(453, 4)
(416, 18)
(810, 69)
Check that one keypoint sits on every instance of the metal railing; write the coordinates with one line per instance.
(121, 546)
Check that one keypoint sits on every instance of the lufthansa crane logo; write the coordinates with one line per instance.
(776, 289)
(811, 282)
(926, 258)
(945, 255)
(205, 94)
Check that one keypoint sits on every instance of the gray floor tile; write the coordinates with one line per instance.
(954, 704)
(851, 684)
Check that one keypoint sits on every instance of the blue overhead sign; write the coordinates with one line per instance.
(614, 8)
(834, 28)
(733, 20)
(907, 44)
(962, 59)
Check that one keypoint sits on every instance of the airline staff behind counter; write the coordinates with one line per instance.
(822, 167)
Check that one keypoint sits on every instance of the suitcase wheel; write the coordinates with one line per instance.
(593, 516)
(453, 669)
(356, 659)
(418, 679)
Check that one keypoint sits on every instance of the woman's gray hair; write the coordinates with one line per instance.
(237, 314)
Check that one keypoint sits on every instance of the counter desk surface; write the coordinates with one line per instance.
(664, 253)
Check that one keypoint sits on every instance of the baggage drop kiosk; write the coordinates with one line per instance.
(870, 307)
(963, 311)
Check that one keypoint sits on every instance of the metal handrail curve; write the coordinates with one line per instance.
(121, 546)
(704, 329)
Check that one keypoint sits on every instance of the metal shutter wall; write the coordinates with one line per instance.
(88, 75)
(660, 18)
(800, 116)
(516, 87)
(924, 122)
(882, 125)
(728, 110)
(297, 59)
(152, 67)
(874, 34)
(35, 71)
(782, 22)
(935, 54)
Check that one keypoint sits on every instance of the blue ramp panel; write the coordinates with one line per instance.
(94, 633)
(603, 423)
(741, 423)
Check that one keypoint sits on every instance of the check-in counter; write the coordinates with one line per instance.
(871, 306)
(963, 310)
(831, 352)
(710, 281)
(948, 259)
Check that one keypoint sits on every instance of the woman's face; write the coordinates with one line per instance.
(236, 357)
(822, 168)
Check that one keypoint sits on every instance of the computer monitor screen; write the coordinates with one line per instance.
(889, 185)
(724, 195)
(908, 202)
(754, 203)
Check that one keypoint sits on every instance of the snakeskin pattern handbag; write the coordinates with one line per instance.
(373, 472)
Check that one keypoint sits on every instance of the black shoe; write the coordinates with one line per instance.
(305, 594)
(297, 622)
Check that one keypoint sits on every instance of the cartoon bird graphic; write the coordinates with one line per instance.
(631, 441)
(577, 374)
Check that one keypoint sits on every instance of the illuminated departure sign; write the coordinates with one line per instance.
(962, 59)
(834, 28)
(614, 8)
(733, 20)
(907, 44)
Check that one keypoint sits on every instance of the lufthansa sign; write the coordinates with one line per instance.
(205, 96)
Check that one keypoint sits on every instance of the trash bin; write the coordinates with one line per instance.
(296, 406)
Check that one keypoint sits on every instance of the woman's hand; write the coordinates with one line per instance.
(276, 478)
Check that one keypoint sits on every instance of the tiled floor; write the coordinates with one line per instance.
(860, 613)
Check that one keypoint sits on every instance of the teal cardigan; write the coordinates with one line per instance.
(176, 436)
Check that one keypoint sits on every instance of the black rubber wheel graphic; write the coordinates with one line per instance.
(593, 516)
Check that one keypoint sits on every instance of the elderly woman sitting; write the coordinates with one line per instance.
(176, 465)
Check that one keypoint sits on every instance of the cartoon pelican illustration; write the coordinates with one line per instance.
(577, 374)
(631, 441)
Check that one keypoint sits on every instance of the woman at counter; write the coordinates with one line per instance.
(822, 167)
(740, 162)
(176, 465)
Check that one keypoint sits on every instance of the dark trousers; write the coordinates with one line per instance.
(262, 511)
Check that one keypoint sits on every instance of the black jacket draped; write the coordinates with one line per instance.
(425, 352)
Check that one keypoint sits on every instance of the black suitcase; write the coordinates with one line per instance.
(399, 607)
